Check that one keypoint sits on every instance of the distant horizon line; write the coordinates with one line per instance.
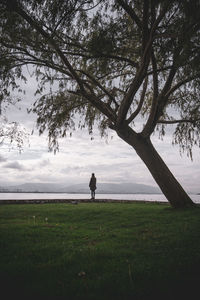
(81, 182)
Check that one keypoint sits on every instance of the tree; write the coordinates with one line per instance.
(13, 133)
(112, 62)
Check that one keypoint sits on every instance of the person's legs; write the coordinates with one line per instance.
(92, 194)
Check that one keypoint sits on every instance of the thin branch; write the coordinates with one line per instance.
(168, 83)
(126, 102)
(120, 58)
(94, 6)
(178, 121)
(97, 83)
(179, 84)
(101, 106)
(38, 62)
(141, 73)
(130, 11)
(136, 112)
(155, 75)
(127, 73)
(52, 43)
(73, 42)
(159, 102)
(145, 20)
(91, 97)
(109, 56)
(58, 24)
(162, 14)
(159, 70)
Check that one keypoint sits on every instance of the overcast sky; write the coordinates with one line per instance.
(112, 160)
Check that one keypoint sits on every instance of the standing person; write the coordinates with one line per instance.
(93, 186)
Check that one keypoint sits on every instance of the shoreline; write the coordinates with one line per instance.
(75, 201)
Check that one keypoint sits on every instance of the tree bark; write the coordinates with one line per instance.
(168, 184)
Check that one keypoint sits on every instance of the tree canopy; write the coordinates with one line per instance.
(112, 62)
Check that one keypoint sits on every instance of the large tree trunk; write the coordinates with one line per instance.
(168, 184)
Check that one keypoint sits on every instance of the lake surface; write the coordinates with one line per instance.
(142, 197)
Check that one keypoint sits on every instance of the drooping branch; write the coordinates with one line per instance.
(102, 55)
(103, 107)
(50, 41)
(118, 58)
(181, 83)
(28, 58)
(98, 84)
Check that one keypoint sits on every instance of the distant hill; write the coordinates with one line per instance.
(115, 188)
(102, 188)
(36, 187)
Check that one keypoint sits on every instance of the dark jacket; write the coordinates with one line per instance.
(92, 183)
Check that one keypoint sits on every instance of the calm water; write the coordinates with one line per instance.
(146, 197)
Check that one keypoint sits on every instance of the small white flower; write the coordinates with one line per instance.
(81, 274)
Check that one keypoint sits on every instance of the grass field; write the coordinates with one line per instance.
(99, 251)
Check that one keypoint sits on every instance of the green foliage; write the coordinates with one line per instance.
(99, 55)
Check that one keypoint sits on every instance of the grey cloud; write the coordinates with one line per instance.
(2, 158)
(44, 163)
(70, 169)
(14, 165)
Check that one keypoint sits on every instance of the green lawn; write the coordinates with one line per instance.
(99, 251)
